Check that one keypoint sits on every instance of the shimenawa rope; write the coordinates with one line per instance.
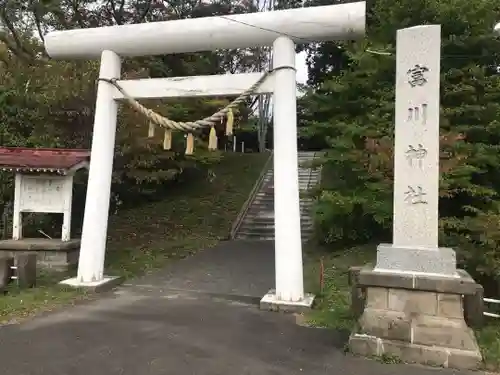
(189, 127)
(186, 126)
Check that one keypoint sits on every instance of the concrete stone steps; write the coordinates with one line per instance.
(258, 222)
(256, 236)
(265, 236)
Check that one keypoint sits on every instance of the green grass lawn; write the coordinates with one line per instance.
(333, 303)
(489, 341)
(145, 238)
(332, 308)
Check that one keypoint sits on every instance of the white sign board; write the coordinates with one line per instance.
(42, 194)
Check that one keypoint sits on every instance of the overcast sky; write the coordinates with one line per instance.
(300, 64)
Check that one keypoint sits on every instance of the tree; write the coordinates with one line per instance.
(353, 112)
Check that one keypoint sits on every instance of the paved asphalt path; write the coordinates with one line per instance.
(195, 317)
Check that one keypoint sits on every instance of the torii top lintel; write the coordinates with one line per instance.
(303, 25)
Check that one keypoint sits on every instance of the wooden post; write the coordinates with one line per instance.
(17, 221)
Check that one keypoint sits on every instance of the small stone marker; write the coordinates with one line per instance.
(25, 271)
(416, 154)
(6, 264)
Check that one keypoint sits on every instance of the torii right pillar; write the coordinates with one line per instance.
(413, 305)
(289, 293)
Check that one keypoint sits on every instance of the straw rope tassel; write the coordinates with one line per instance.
(229, 122)
(190, 144)
(167, 140)
(212, 139)
(151, 130)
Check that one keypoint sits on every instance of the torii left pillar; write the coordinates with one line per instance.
(95, 222)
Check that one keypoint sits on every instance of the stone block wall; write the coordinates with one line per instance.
(416, 318)
(472, 304)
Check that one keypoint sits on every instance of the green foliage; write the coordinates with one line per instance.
(353, 112)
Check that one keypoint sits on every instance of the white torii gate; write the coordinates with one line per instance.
(281, 29)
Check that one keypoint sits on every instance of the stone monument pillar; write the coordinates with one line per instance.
(414, 295)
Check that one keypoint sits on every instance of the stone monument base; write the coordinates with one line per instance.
(418, 318)
(438, 261)
(52, 254)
